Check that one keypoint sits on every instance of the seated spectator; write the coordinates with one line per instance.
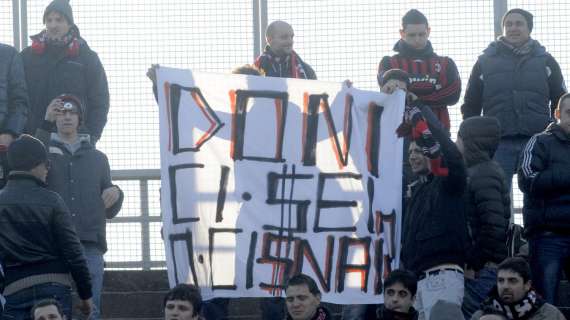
(492, 314)
(400, 289)
(48, 309)
(514, 296)
(304, 300)
(183, 302)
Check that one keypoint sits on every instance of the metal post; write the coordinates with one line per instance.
(145, 225)
(16, 23)
(263, 20)
(499, 9)
(24, 22)
(256, 30)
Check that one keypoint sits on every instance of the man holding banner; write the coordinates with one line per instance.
(434, 229)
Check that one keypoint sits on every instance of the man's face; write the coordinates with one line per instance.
(67, 121)
(515, 29)
(418, 162)
(415, 35)
(48, 313)
(281, 41)
(179, 310)
(301, 303)
(398, 298)
(56, 25)
(563, 115)
(392, 85)
(511, 286)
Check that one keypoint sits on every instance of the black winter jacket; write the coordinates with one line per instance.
(37, 234)
(384, 314)
(80, 178)
(488, 198)
(517, 90)
(53, 73)
(13, 92)
(544, 177)
(435, 230)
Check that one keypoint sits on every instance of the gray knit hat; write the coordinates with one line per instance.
(61, 6)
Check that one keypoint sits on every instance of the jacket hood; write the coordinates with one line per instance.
(481, 136)
(404, 49)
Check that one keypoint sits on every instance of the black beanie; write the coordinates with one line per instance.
(480, 128)
(526, 15)
(26, 153)
(396, 74)
(61, 6)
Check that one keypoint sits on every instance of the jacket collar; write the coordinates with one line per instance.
(23, 177)
(496, 47)
(558, 132)
(404, 49)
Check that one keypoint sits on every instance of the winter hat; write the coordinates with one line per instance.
(396, 74)
(480, 127)
(445, 310)
(26, 153)
(61, 6)
(71, 102)
(526, 15)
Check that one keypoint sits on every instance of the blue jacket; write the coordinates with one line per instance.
(13, 92)
(520, 91)
(544, 177)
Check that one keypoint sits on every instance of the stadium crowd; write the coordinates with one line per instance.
(455, 261)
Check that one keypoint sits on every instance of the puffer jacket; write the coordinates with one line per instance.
(544, 177)
(13, 92)
(487, 197)
(55, 72)
(37, 234)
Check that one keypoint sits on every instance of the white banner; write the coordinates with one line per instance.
(263, 178)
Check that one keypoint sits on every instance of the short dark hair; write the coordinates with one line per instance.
(185, 292)
(518, 265)
(45, 303)
(248, 69)
(414, 16)
(396, 74)
(301, 279)
(561, 101)
(526, 15)
(407, 278)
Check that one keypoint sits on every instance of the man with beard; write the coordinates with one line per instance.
(304, 300)
(514, 296)
(279, 59)
(60, 61)
(433, 78)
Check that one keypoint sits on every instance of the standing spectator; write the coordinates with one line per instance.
(183, 302)
(38, 244)
(544, 177)
(279, 59)
(48, 309)
(514, 296)
(400, 289)
(514, 80)
(488, 208)
(304, 299)
(80, 174)
(13, 102)
(59, 60)
(434, 231)
(434, 79)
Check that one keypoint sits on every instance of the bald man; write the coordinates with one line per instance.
(279, 59)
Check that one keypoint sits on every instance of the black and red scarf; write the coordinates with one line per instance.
(416, 127)
(70, 42)
(269, 60)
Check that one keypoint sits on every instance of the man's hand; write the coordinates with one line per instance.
(151, 72)
(53, 109)
(6, 139)
(86, 307)
(411, 97)
(110, 196)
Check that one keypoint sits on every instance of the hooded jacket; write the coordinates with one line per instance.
(55, 72)
(520, 91)
(434, 79)
(487, 197)
(544, 177)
